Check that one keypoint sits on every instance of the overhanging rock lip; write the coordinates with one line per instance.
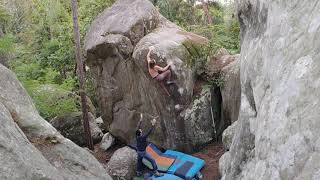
(137, 12)
(115, 41)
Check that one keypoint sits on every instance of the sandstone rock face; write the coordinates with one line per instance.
(199, 122)
(228, 135)
(278, 132)
(224, 70)
(18, 162)
(116, 47)
(230, 93)
(223, 166)
(30, 147)
(221, 59)
(107, 141)
(122, 165)
(71, 127)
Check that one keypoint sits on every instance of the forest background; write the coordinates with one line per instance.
(36, 42)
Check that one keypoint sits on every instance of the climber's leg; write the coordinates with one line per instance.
(139, 165)
(165, 77)
(164, 87)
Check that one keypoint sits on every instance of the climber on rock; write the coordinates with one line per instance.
(142, 144)
(161, 74)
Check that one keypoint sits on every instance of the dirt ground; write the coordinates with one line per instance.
(211, 154)
(104, 156)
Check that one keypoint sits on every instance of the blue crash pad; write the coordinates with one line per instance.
(185, 166)
(167, 177)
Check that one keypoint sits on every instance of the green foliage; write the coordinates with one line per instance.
(217, 81)
(69, 84)
(50, 100)
(218, 13)
(30, 71)
(220, 36)
(88, 10)
(53, 39)
(198, 55)
(178, 11)
(4, 16)
(7, 44)
(223, 33)
(44, 60)
(49, 34)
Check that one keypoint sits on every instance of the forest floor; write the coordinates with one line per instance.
(211, 154)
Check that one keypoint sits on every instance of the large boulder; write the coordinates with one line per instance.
(122, 165)
(278, 132)
(30, 147)
(221, 59)
(71, 126)
(230, 94)
(116, 47)
(199, 122)
(224, 70)
(231, 91)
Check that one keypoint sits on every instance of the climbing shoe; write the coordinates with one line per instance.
(157, 174)
(139, 174)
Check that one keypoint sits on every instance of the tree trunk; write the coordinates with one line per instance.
(80, 73)
(206, 12)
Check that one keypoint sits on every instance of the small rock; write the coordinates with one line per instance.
(107, 141)
(122, 164)
(100, 123)
(71, 126)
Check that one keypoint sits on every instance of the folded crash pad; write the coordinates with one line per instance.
(163, 161)
(185, 166)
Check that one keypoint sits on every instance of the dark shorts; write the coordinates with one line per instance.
(163, 76)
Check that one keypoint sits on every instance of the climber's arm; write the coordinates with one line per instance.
(140, 122)
(151, 48)
(149, 132)
(162, 69)
(148, 56)
(153, 123)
